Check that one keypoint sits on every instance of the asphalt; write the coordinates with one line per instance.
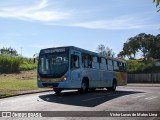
(126, 98)
(47, 90)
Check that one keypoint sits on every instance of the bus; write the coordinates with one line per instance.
(70, 67)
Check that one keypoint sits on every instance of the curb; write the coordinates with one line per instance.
(143, 85)
(33, 92)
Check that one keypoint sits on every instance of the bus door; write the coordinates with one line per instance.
(75, 68)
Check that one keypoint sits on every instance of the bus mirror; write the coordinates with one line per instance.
(34, 60)
(34, 57)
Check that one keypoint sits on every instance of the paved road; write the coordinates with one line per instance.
(126, 98)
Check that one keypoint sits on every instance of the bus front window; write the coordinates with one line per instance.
(53, 65)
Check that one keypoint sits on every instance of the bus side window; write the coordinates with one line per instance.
(121, 66)
(86, 60)
(90, 61)
(110, 64)
(124, 67)
(103, 64)
(115, 65)
(95, 63)
(74, 62)
(99, 59)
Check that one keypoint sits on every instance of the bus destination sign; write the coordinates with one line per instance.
(58, 50)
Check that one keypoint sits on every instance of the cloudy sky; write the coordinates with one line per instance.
(30, 25)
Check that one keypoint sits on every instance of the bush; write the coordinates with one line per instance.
(12, 64)
(134, 66)
(9, 64)
(27, 66)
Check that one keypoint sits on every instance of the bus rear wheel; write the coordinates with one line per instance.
(114, 85)
(57, 91)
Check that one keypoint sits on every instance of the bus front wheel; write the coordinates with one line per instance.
(84, 87)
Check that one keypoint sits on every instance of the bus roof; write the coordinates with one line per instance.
(88, 52)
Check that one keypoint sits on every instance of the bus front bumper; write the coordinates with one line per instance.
(63, 85)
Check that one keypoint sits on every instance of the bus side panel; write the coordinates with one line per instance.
(99, 78)
(121, 78)
(93, 76)
(109, 76)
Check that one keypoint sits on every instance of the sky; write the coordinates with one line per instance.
(31, 25)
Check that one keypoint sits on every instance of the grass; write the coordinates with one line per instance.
(12, 84)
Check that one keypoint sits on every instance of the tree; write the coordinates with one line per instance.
(157, 3)
(127, 50)
(155, 51)
(105, 51)
(8, 51)
(147, 44)
(130, 48)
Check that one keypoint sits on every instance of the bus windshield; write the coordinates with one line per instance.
(53, 64)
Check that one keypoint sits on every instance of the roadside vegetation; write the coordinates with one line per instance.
(19, 83)
(11, 62)
(17, 74)
(137, 66)
(11, 84)
(145, 46)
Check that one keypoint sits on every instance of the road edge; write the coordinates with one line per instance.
(25, 93)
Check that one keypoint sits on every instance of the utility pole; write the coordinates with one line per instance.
(21, 51)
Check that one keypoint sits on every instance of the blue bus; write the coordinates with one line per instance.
(70, 67)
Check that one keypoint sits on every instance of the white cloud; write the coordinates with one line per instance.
(34, 12)
(117, 24)
(41, 12)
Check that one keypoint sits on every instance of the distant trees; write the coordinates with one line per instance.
(146, 44)
(105, 51)
(8, 51)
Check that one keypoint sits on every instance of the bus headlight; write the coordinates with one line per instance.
(38, 78)
(65, 78)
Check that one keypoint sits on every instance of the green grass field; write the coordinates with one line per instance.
(11, 87)
(11, 84)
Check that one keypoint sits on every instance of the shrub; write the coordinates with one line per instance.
(27, 64)
(12, 64)
(134, 66)
(9, 64)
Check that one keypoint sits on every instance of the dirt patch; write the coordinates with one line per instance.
(23, 75)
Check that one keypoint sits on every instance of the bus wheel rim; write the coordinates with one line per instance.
(83, 86)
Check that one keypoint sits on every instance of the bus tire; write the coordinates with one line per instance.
(57, 91)
(84, 87)
(92, 89)
(114, 85)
